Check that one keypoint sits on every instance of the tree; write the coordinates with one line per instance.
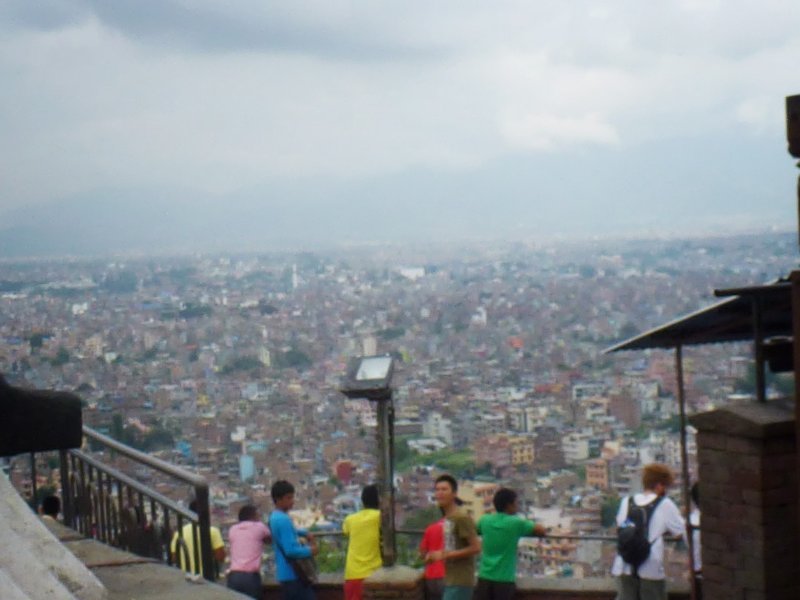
(423, 517)
(330, 558)
(61, 357)
(608, 510)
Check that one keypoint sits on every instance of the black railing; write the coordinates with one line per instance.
(104, 503)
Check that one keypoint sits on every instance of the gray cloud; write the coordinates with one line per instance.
(434, 105)
(219, 27)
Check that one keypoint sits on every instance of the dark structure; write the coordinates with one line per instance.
(748, 456)
(38, 420)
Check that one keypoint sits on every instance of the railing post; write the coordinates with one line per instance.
(34, 500)
(66, 489)
(204, 522)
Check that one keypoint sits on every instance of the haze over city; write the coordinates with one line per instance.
(179, 127)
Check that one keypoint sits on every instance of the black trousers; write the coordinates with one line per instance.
(248, 584)
(494, 590)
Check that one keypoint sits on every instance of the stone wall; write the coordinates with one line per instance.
(528, 589)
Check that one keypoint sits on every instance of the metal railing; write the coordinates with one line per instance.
(104, 503)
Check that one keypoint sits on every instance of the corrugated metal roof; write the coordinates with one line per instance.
(730, 320)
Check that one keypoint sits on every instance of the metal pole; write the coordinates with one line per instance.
(66, 489)
(386, 480)
(204, 523)
(758, 343)
(685, 465)
(34, 499)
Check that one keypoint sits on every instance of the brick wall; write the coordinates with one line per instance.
(748, 500)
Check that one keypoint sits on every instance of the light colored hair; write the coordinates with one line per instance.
(656, 473)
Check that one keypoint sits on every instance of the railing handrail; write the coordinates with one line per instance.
(151, 461)
(203, 555)
(132, 483)
(573, 536)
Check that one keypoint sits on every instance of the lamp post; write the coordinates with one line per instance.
(370, 377)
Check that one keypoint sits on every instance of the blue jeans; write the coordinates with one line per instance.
(457, 592)
(296, 590)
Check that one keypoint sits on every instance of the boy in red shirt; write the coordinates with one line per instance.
(433, 539)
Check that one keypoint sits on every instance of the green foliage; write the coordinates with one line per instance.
(123, 282)
(391, 333)
(242, 363)
(37, 340)
(461, 463)
(423, 517)
(608, 510)
(194, 311)
(408, 551)
(61, 357)
(331, 557)
(293, 359)
(158, 437)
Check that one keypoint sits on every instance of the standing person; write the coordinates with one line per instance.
(247, 539)
(286, 544)
(647, 581)
(500, 534)
(363, 529)
(189, 541)
(432, 540)
(461, 542)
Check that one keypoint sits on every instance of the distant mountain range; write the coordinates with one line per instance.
(623, 193)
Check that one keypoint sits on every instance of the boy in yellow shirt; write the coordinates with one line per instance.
(363, 550)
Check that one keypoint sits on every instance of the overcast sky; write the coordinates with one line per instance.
(635, 113)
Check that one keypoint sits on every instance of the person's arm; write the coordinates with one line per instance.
(285, 536)
(423, 544)
(465, 530)
(266, 533)
(346, 527)
(217, 544)
(622, 512)
(673, 521)
(532, 528)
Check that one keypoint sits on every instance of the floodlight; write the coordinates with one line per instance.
(369, 377)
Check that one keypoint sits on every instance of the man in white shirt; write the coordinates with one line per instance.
(648, 581)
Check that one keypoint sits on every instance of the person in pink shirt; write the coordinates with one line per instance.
(247, 540)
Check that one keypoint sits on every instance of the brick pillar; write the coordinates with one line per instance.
(395, 583)
(748, 499)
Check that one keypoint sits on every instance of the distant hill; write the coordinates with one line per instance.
(520, 197)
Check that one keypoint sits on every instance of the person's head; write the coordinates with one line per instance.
(370, 497)
(283, 495)
(505, 501)
(657, 477)
(695, 494)
(51, 506)
(248, 513)
(444, 490)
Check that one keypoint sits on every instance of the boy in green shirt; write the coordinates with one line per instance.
(501, 532)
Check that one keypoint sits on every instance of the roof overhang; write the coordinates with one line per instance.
(731, 320)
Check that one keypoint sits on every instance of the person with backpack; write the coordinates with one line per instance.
(642, 521)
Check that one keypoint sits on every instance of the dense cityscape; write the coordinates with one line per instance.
(230, 366)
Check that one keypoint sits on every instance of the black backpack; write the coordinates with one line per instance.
(632, 543)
